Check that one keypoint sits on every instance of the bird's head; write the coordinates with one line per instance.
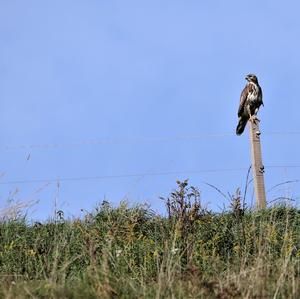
(251, 78)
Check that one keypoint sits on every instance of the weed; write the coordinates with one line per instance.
(130, 252)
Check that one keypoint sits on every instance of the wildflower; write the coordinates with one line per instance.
(118, 252)
(155, 253)
(174, 250)
(10, 246)
(31, 252)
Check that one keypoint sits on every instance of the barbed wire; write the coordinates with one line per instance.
(163, 173)
(129, 141)
(110, 141)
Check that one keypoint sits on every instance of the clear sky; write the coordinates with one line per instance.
(135, 76)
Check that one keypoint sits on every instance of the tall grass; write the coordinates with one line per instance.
(130, 252)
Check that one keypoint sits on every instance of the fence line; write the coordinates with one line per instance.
(131, 140)
(89, 178)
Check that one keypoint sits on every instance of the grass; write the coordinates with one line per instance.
(130, 252)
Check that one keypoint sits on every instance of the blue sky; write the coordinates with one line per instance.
(136, 75)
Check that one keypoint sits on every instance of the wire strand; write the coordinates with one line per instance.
(128, 141)
(86, 178)
(166, 173)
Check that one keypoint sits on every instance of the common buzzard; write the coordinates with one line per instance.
(250, 101)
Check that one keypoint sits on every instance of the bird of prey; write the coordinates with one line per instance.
(250, 101)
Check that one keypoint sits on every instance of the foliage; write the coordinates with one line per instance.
(130, 252)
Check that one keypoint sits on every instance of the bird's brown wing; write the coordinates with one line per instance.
(261, 96)
(243, 98)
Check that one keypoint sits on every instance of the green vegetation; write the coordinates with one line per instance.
(129, 252)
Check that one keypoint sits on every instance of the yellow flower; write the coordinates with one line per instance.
(31, 252)
(236, 249)
(8, 247)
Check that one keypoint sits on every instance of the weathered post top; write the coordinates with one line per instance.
(257, 165)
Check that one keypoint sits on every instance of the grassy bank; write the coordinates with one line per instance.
(129, 252)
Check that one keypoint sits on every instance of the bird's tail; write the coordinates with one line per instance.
(241, 126)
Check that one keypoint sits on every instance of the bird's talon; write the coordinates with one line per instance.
(254, 119)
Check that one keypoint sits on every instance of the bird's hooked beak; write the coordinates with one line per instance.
(247, 78)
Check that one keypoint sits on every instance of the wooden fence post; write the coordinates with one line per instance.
(257, 165)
